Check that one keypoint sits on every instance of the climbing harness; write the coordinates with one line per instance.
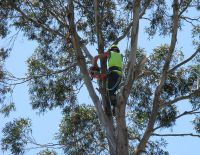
(116, 84)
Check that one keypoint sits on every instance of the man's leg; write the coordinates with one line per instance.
(113, 83)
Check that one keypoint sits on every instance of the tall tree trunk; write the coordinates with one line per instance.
(106, 121)
(112, 150)
(121, 130)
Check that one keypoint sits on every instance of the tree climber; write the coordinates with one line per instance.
(114, 73)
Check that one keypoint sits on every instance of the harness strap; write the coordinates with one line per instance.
(116, 84)
(115, 68)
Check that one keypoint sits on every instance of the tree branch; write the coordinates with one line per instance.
(132, 58)
(83, 46)
(78, 51)
(45, 27)
(185, 61)
(87, 53)
(124, 34)
(98, 27)
(146, 5)
(57, 17)
(180, 98)
(156, 100)
(191, 20)
(192, 112)
(26, 79)
(122, 135)
(138, 68)
(176, 135)
(59, 5)
(131, 24)
(83, 68)
(185, 8)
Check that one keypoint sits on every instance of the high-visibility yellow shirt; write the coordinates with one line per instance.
(115, 60)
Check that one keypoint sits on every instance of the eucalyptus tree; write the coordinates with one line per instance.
(67, 32)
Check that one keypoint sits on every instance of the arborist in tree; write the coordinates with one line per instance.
(114, 73)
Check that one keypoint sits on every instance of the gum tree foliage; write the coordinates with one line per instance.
(47, 152)
(82, 130)
(4, 88)
(14, 135)
(57, 70)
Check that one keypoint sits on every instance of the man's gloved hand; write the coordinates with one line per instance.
(94, 70)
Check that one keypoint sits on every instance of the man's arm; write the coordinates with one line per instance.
(100, 56)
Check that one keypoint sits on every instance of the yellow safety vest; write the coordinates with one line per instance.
(115, 62)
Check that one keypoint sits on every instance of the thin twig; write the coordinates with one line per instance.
(192, 112)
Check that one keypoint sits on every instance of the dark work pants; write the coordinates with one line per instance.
(113, 81)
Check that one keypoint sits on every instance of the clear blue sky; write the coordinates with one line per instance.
(45, 126)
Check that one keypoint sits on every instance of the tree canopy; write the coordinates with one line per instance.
(67, 32)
